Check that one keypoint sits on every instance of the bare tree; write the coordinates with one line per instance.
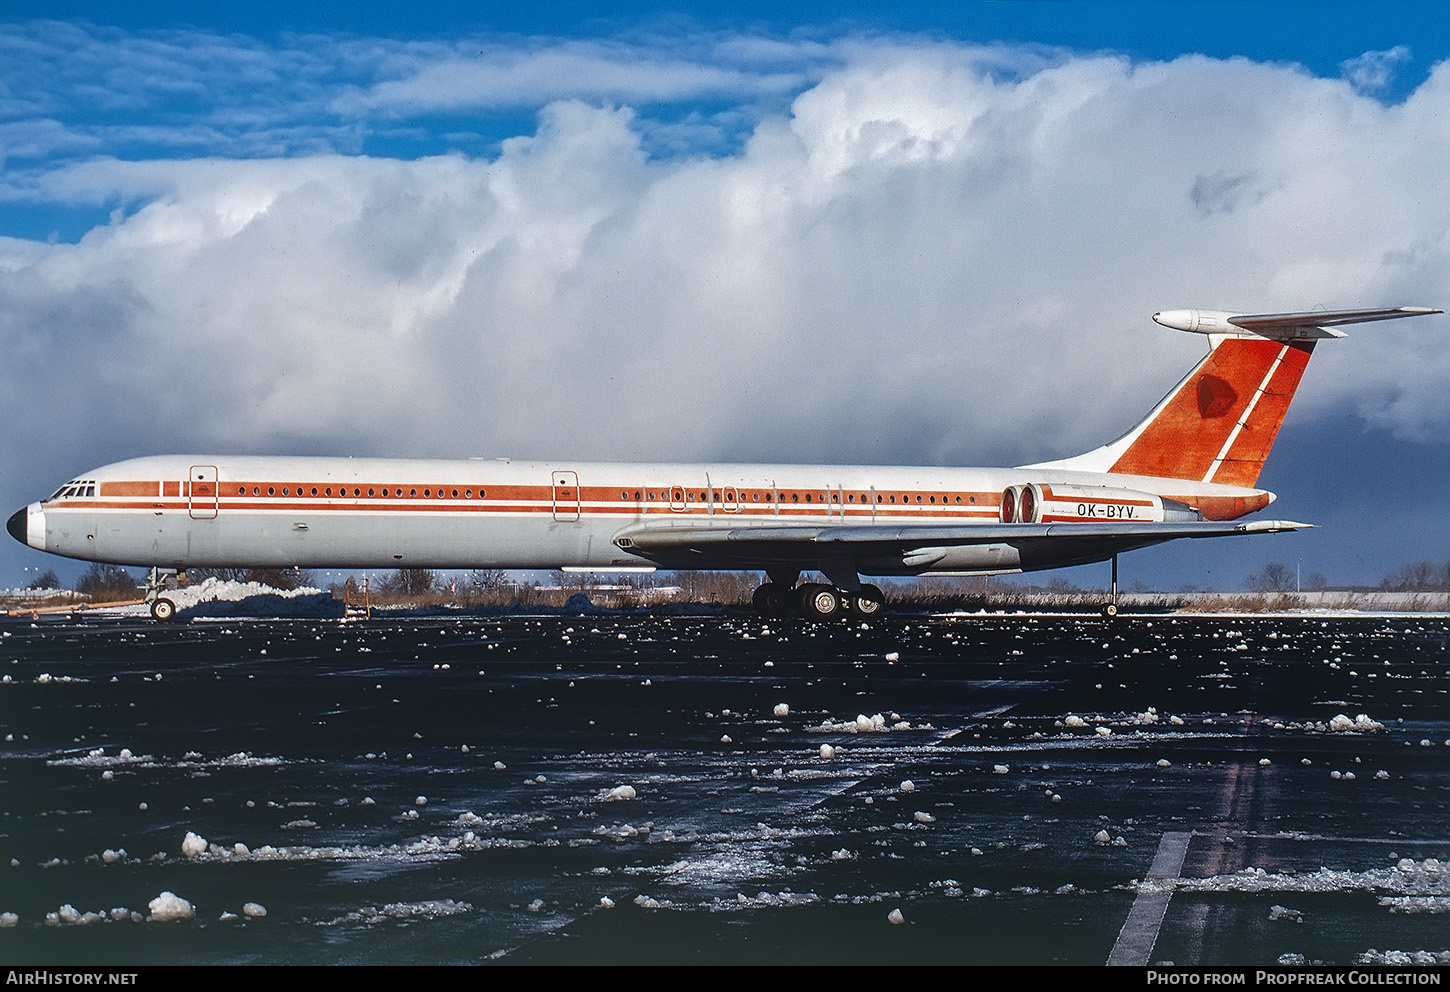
(409, 582)
(487, 579)
(1419, 576)
(1275, 577)
(106, 582)
(274, 578)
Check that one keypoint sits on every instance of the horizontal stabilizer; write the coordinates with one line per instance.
(1279, 326)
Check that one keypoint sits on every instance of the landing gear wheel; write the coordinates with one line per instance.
(1110, 609)
(866, 603)
(819, 602)
(760, 599)
(162, 609)
(770, 601)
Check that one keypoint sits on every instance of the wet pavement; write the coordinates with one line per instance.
(709, 787)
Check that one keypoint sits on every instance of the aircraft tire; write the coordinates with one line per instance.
(162, 609)
(819, 602)
(771, 601)
(866, 603)
(760, 599)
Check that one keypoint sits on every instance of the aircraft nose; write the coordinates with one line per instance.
(16, 526)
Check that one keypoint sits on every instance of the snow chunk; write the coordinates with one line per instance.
(782, 710)
(169, 906)
(620, 792)
(1360, 724)
(193, 846)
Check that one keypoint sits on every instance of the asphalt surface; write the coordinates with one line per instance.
(712, 788)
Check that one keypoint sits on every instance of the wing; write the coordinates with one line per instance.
(917, 548)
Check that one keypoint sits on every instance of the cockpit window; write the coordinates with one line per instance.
(72, 489)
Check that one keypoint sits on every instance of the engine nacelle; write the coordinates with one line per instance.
(1041, 503)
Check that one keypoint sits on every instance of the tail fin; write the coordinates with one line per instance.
(1219, 423)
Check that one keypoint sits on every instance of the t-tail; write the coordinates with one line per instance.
(1219, 423)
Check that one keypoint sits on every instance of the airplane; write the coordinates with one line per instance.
(1187, 470)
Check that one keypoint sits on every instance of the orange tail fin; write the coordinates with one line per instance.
(1219, 423)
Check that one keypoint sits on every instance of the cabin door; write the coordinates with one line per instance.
(201, 492)
(566, 496)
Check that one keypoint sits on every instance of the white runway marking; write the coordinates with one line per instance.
(1140, 931)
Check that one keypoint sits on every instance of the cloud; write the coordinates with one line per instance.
(495, 76)
(926, 256)
(1373, 72)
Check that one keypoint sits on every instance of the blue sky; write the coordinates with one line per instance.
(904, 234)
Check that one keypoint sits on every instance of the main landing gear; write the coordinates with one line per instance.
(818, 601)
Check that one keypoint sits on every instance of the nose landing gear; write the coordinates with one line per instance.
(157, 580)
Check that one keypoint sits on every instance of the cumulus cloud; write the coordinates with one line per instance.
(931, 254)
(1373, 72)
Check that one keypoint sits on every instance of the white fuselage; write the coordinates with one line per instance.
(219, 511)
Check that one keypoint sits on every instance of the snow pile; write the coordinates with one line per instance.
(216, 598)
(1429, 880)
(1402, 958)
(874, 724)
(1361, 724)
(169, 906)
(426, 910)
